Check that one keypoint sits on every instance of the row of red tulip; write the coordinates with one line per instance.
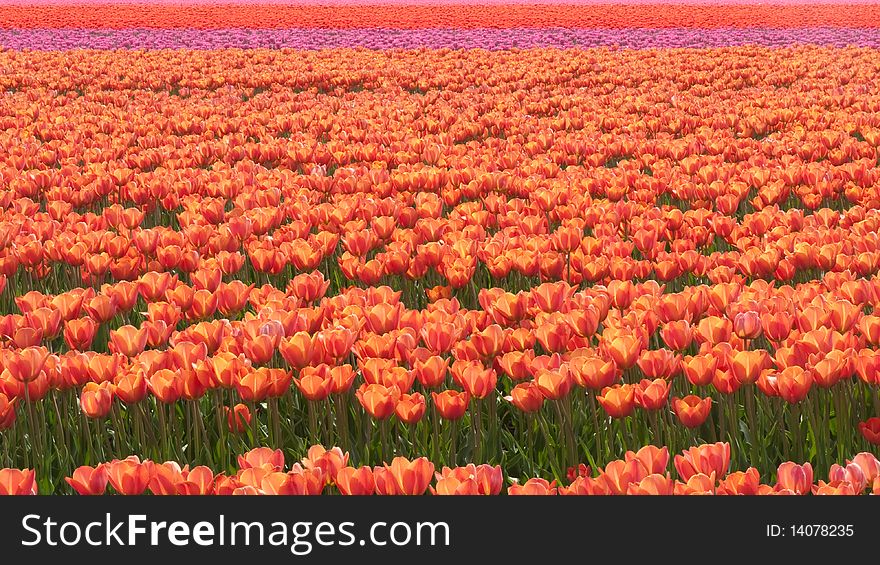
(701, 470)
(430, 15)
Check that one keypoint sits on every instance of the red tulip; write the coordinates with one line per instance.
(870, 430)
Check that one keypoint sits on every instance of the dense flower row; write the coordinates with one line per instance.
(529, 258)
(646, 3)
(471, 16)
(435, 38)
(701, 470)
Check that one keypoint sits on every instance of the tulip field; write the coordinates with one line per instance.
(447, 248)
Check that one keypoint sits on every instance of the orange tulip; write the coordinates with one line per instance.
(692, 410)
(130, 476)
(746, 366)
(431, 372)
(654, 484)
(379, 401)
(478, 381)
(591, 372)
(329, 461)
(455, 486)
(165, 385)
(700, 369)
(553, 385)
(197, 481)
(308, 286)
(837, 488)
(331, 345)
(228, 368)
(101, 308)
(698, 484)
(658, 363)
(584, 323)
(652, 395)
(128, 340)
(714, 330)
(298, 481)
(725, 382)
(586, 486)
(15, 482)
(26, 364)
(618, 400)
(181, 296)
(619, 475)
(262, 457)
(384, 482)
(740, 483)
(238, 418)
(7, 412)
(89, 480)
(297, 350)
(357, 482)
(794, 477)
(69, 304)
(27, 337)
(315, 383)
(553, 297)
(536, 486)
(677, 335)
(438, 292)
(843, 314)
(705, 459)
(45, 320)
(515, 364)
(476, 479)
(794, 384)
(652, 458)
(526, 396)
(96, 399)
(232, 297)
(488, 342)
(410, 408)
(165, 479)
(153, 285)
(411, 477)
(451, 404)
(163, 312)
(624, 350)
(342, 377)
(254, 385)
(439, 337)
(777, 326)
(553, 336)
